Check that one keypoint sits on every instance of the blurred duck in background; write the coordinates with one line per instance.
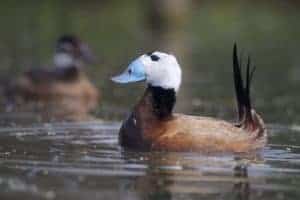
(153, 126)
(64, 86)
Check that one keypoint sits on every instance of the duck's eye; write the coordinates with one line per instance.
(129, 71)
(154, 57)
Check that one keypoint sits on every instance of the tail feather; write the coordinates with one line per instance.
(247, 117)
(242, 88)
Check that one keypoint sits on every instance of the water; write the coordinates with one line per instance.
(82, 160)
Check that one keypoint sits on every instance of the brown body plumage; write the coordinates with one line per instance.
(177, 132)
(53, 88)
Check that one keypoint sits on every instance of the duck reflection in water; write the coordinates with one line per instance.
(60, 91)
(174, 176)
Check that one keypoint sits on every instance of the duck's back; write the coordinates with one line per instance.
(82, 88)
(47, 76)
(54, 86)
(191, 133)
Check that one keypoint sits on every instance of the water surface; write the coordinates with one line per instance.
(84, 160)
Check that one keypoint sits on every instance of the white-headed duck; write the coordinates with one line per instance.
(64, 80)
(153, 126)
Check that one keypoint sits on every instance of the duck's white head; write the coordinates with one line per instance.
(156, 68)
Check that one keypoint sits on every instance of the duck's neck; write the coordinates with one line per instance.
(159, 102)
(145, 123)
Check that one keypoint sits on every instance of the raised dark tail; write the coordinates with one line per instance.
(247, 117)
(242, 88)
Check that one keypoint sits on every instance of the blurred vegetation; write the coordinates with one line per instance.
(200, 33)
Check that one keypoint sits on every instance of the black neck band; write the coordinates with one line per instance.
(163, 101)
